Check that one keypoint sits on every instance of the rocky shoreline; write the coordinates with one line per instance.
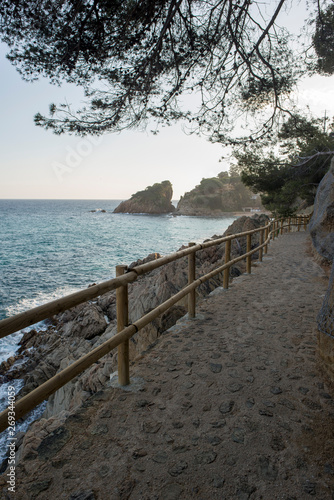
(72, 334)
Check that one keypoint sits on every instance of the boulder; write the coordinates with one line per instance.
(44, 430)
(85, 321)
(322, 222)
(107, 303)
(326, 332)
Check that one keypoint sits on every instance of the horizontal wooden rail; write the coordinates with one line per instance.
(38, 395)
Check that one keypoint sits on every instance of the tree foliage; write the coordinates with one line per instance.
(225, 193)
(323, 40)
(139, 61)
(142, 60)
(292, 173)
(160, 192)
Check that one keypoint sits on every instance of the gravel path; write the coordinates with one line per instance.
(229, 405)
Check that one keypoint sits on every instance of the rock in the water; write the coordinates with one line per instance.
(156, 199)
(217, 195)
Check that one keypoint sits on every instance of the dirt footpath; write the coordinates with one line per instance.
(229, 405)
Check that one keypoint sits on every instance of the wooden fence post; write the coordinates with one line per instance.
(261, 242)
(298, 222)
(191, 278)
(289, 224)
(227, 259)
(282, 223)
(122, 322)
(266, 234)
(249, 258)
(273, 230)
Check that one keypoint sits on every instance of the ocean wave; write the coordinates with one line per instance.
(39, 299)
(9, 344)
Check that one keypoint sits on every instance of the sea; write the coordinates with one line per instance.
(51, 248)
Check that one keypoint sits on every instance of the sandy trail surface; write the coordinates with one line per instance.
(230, 405)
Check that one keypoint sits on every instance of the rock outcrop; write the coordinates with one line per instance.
(156, 199)
(322, 222)
(326, 332)
(217, 195)
(322, 232)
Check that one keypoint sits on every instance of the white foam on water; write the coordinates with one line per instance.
(40, 299)
(9, 345)
(8, 348)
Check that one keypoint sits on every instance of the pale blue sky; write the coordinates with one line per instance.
(38, 164)
(35, 163)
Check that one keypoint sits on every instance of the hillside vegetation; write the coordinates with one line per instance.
(224, 193)
(154, 199)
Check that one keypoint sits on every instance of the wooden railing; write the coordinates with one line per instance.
(124, 276)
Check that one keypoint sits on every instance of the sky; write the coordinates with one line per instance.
(36, 164)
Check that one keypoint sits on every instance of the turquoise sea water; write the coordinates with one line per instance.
(50, 248)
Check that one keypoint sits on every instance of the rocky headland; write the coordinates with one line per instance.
(156, 199)
(218, 195)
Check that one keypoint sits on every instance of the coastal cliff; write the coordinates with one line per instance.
(156, 199)
(216, 195)
(322, 233)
